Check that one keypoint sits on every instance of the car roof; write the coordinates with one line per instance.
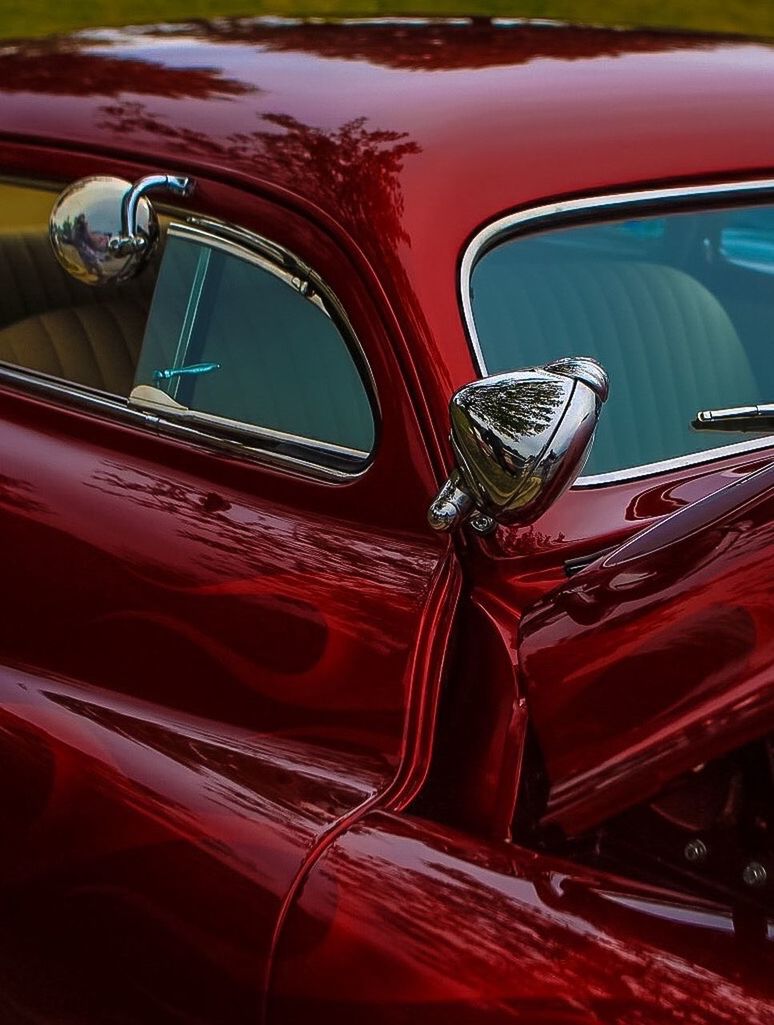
(409, 135)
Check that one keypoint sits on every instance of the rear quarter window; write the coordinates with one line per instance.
(678, 308)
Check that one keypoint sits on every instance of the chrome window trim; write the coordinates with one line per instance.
(192, 427)
(117, 409)
(299, 276)
(267, 255)
(576, 211)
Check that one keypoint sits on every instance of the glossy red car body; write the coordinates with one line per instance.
(256, 812)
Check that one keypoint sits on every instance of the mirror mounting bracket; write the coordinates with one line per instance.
(130, 240)
(452, 505)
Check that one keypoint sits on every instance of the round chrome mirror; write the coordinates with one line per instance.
(104, 230)
(521, 439)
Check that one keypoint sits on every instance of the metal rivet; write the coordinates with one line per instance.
(481, 523)
(696, 851)
(754, 874)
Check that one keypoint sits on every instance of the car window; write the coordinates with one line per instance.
(746, 238)
(52, 324)
(678, 308)
(246, 345)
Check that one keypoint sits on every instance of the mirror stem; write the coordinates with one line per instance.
(451, 506)
(129, 240)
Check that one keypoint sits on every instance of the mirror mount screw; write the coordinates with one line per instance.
(482, 524)
(696, 852)
(754, 875)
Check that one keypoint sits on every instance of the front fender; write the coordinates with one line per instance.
(402, 921)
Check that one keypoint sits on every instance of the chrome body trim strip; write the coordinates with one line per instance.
(573, 211)
(157, 407)
(709, 455)
(90, 400)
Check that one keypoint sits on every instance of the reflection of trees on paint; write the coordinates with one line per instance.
(445, 47)
(18, 496)
(353, 168)
(79, 72)
(442, 918)
(81, 67)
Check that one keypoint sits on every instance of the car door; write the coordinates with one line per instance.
(610, 707)
(218, 597)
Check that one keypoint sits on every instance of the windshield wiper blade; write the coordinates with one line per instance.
(737, 418)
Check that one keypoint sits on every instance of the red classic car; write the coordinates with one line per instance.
(311, 710)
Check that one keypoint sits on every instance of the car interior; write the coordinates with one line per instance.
(257, 353)
(55, 325)
(50, 322)
(678, 309)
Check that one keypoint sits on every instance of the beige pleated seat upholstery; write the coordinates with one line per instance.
(55, 325)
(97, 345)
(668, 345)
(33, 281)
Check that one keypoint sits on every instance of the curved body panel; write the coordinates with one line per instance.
(220, 676)
(206, 664)
(656, 658)
(402, 921)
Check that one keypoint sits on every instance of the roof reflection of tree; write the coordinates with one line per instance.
(80, 72)
(445, 47)
(353, 167)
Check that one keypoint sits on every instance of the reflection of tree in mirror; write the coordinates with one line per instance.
(518, 410)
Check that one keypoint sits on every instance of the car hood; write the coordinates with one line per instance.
(655, 658)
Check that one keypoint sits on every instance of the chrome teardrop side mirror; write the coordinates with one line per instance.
(520, 439)
(103, 229)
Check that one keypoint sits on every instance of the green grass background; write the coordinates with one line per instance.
(40, 17)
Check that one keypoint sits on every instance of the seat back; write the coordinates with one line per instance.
(53, 324)
(668, 345)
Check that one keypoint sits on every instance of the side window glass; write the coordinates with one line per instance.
(234, 343)
(678, 308)
(632, 239)
(747, 239)
(52, 324)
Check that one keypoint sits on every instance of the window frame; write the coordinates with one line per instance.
(586, 210)
(297, 275)
(318, 460)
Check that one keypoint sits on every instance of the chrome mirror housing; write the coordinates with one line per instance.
(520, 440)
(103, 229)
